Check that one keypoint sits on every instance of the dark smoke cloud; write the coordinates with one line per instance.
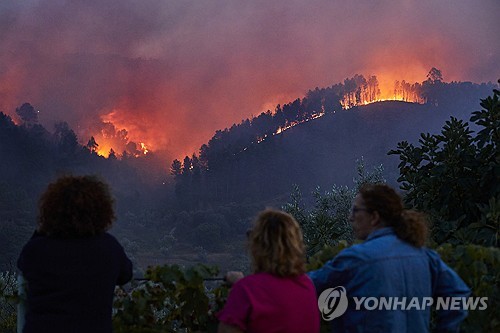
(172, 72)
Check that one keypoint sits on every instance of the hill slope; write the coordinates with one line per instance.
(322, 151)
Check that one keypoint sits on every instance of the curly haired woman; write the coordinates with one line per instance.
(278, 297)
(71, 264)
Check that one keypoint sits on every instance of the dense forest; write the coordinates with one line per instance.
(260, 158)
(200, 211)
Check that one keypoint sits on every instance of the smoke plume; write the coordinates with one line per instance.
(172, 72)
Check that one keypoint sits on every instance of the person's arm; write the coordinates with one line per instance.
(225, 328)
(21, 261)
(335, 272)
(447, 283)
(125, 272)
(233, 276)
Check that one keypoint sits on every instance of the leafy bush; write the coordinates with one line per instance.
(479, 267)
(328, 220)
(453, 176)
(171, 299)
(8, 301)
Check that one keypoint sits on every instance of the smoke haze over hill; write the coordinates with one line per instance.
(172, 72)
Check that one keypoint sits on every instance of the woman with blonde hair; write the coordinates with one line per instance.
(278, 296)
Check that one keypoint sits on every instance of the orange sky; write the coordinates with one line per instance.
(172, 72)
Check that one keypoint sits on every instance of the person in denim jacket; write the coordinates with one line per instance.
(391, 262)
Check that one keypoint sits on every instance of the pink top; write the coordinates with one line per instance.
(265, 303)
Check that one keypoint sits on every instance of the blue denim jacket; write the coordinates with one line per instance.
(385, 266)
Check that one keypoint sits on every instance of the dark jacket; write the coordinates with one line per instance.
(71, 282)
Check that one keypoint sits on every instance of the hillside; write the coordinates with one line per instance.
(322, 151)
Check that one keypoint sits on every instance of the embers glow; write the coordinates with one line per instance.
(110, 141)
(144, 148)
(400, 91)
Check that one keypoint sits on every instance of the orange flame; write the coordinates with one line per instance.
(387, 91)
(111, 138)
(144, 148)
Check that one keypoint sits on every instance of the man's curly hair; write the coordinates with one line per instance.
(75, 207)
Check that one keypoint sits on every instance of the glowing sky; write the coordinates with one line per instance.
(171, 72)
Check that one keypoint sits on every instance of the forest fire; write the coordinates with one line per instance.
(108, 149)
(117, 127)
(295, 123)
(111, 142)
(352, 92)
(144, 148)
(360, 91)
(117, 135)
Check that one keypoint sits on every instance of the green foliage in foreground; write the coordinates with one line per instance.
(172, 299)
(8, 301)
(479, 267)
(453, 177)
(175, 299)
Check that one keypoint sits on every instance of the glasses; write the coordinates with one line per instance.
(354, 210)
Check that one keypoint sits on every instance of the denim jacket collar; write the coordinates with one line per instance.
(380, 233)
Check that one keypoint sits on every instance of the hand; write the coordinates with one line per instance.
(233, 276)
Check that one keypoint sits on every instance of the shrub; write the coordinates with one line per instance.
(171, 299)
(8, 301)
(453, 176)
(328, 220)
(479, 267)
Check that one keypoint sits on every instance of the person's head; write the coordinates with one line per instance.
(74, 207)
(377, 206)
(276, 244)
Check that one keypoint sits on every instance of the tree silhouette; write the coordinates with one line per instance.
(28, 114)
(435, 75)
(176, 168)
(66, 138)
(92, 145)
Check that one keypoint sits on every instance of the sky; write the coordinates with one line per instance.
(172, 72)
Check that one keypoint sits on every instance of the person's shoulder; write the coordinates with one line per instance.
(351, 257)
(432, 255)
(354, 252)
(110, 240)
(37, 240)
(245, 284)
(257, 279)
(107, 236)
(306, 280)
